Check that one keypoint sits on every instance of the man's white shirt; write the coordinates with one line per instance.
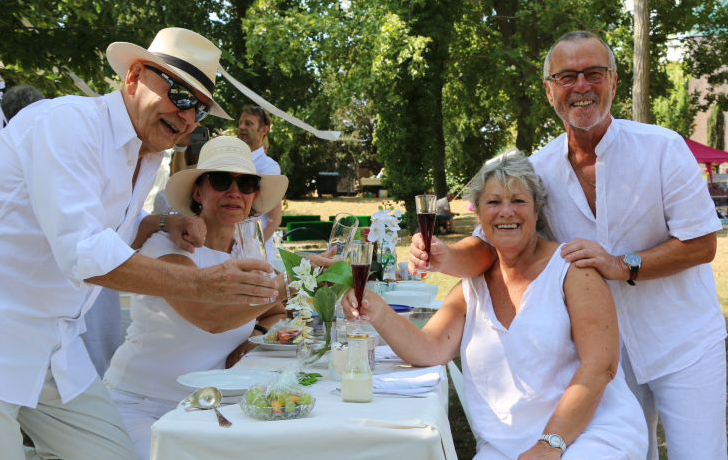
(67, 213)
(266, 165)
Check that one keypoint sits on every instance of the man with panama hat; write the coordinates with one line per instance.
(75, 172)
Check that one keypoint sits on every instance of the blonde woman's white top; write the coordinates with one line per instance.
(160, 345)
(515, 377)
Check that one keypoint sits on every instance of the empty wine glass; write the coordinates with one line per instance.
(342, 233)
(250, 243)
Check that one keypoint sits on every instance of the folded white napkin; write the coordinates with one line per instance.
(384, 354)
(415, 381)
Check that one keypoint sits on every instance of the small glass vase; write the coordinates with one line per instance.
(310, 353)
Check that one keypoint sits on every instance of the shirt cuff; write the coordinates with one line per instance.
(685, 231)
(99, 254)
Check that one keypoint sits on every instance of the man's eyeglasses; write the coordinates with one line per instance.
(182, 97)
(567, 78)
(221, 181)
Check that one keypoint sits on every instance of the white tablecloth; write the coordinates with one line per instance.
(390, 427)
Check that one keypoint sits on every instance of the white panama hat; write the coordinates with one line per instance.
(230, 154)
(188, 55)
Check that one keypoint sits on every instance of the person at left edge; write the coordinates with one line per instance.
(73, 176)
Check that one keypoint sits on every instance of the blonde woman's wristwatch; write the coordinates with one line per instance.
(554, 440)
(163, 222)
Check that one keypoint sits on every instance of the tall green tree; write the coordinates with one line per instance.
(678, 108)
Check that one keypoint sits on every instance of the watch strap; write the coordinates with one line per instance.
(633, 271)
(163, 222)
(554, 440)
(260, 328)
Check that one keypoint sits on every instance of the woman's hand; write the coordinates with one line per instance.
(418, 258)
(324, 259)
(541, 451)
(372, 308)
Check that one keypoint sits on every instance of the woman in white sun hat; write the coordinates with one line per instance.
(169, 337)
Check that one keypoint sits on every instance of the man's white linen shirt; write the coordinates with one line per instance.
(649, 188)
(67, 210)
(266, 165)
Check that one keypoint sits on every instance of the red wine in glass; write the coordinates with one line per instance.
(427, 228)
(360, 272)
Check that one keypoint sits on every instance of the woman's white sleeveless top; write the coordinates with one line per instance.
(515, 377)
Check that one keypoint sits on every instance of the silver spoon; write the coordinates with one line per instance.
(207, 398)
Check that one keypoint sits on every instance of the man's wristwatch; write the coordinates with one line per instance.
(633, 262)
(554, 440)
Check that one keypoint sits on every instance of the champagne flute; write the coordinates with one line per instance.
(342, 233)
(361, 259)
(426, 219)
(250, 243)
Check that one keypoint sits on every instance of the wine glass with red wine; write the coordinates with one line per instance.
(426, 219)
(361, 259)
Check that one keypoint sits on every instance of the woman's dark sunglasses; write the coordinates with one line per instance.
(221, 181)
(182, 97)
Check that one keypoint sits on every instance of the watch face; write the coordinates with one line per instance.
(633, 260)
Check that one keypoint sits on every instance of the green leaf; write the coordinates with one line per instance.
(339, 273)
(290, 260)
(324, 301)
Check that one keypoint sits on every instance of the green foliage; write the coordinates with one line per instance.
(290, 260)
(677, 110)
(707, 50)
(429, 89)
(332, 282)
(339, 275)
(716, 128)
(324, 301)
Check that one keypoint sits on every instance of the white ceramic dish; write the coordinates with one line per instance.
(230, 382)
(263, 345)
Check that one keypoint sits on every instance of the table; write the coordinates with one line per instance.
(390, 427)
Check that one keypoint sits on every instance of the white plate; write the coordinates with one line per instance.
(258, 340)
(231, 382)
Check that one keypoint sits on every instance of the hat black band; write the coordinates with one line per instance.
(189, 68)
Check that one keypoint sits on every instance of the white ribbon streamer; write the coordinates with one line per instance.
(80, 84)
(326, 135)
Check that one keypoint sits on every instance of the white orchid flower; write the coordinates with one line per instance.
(304, 268)
(377, 231)
(309, 282)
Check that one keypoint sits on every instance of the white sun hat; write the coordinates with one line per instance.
(229, 154)
(186, 54)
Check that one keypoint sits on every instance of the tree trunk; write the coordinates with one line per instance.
(438, 161)
(641, 82)
(525, 131)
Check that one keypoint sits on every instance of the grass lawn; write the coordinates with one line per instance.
(463, 225)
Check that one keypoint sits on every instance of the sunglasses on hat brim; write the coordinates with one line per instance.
(181, 96)
(221, 181)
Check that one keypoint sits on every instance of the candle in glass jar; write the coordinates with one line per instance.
(356, 380)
